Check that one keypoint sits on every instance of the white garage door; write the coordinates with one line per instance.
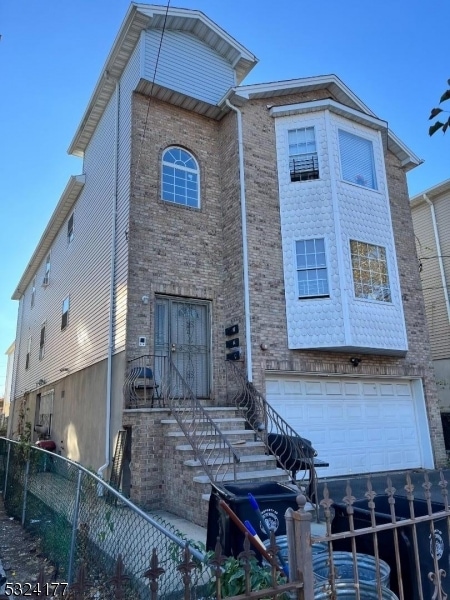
(357, 425)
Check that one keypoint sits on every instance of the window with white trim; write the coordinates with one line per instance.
(357, 162)
(180, 178)
(44, 413)
(70, 228)
(47, 271)
(65, 313)
(370, 271)
(42, 341)
(303, 161)
(33, 292)
(27, 358)
(311, 268)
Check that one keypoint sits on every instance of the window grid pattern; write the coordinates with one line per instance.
(180, 178)
(357, 162)
(312, 268)
(303, 162)
(370, 272)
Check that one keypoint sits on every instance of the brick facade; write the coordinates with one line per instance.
(191, 253)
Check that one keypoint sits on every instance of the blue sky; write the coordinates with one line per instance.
(392, 54)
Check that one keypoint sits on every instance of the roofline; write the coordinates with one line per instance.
(407, 157)
(432, 192)
(62, 210)
(135, 21)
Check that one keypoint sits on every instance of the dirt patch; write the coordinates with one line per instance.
(20, 556)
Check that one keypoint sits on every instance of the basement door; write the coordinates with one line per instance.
(182, 329)
(357, 425)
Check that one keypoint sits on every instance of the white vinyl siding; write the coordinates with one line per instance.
(187, 65)
(430, 275)
(85, 271)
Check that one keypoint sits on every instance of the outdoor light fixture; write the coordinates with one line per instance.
(64, 370)
(355, 361)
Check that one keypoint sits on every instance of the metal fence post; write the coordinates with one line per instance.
(25, 490)
(6, 472)
(76, 510)
(298, 529)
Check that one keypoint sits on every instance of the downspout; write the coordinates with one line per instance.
(111, 296)
(248, 337)
(439, 253)
(12, 397)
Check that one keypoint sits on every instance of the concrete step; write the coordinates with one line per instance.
(248, 434)
(224, 423)
(248, 448)
(261, 475)
(255, 460)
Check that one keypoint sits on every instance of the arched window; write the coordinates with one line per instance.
(180, 177)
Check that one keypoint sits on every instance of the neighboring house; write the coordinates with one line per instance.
(281, 208)
(431, 221)
(8, 380)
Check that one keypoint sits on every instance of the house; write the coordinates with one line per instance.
(214, 220)
(431, 221)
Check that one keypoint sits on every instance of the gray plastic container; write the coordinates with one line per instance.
(343, 566)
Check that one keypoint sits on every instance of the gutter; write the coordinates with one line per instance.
(101, 470)
(248, 337)
(439, 253)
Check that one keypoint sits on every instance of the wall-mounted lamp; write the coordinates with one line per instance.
(145, 299)
(355, 361)
(264, 347)
(64, 370)
(41, 382)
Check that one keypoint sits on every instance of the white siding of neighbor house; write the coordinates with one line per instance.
(337, 211)
(432, 285)
(187, 65)
(82, 269)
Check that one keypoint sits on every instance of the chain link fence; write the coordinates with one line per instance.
(80, 522)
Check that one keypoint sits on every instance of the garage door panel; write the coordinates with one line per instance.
(357, 426)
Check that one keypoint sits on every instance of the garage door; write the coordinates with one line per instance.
(357, 425)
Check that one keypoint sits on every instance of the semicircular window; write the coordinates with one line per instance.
(180, 178)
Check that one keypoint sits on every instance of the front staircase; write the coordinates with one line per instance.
(254, 464)
(204, 445)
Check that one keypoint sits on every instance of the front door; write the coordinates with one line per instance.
(182, 329)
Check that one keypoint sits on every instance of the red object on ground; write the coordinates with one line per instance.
(46, 444)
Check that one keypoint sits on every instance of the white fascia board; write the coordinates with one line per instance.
(137, 19)
(333, 106)
(431, 193)
(112, 70)
(186, 13)
(62, 210)
(277, 88)
(408, 159)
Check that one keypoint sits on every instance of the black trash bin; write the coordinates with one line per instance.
(386, 548)
(273, 500)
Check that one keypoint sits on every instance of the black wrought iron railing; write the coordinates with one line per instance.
(294, 453)
(154, 381)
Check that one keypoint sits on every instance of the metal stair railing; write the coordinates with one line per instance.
(294, 454)
(211, 447)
